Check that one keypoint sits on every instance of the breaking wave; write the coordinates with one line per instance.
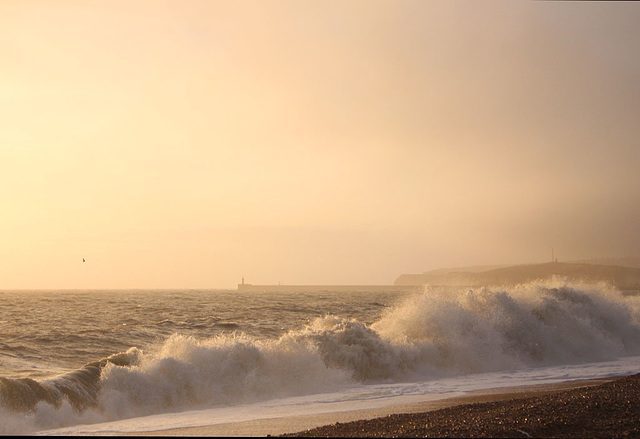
(437, 333)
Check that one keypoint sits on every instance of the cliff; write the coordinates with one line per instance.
(625, 278)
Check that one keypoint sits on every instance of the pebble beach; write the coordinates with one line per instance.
(609, 409)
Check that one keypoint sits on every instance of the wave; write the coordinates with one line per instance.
(439, 332)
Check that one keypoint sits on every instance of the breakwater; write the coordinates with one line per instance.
(332, 288)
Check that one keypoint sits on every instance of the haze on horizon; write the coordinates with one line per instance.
(183, 144)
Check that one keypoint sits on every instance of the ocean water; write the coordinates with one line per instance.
(108, 362)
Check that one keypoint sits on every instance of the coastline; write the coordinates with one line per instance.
(342, 423)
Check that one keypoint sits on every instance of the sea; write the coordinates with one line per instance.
(101, 362)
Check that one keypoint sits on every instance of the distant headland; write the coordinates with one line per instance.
(623, 277)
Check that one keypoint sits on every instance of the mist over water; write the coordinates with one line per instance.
(300, 344)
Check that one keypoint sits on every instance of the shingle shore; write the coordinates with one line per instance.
(608, 410)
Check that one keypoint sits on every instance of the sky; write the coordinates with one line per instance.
(189, 144)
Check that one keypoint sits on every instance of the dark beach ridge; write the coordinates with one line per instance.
(609, 409)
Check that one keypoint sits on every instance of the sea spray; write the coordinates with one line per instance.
(359, 350)
(439, 332)
(188, 373)
(534, 324)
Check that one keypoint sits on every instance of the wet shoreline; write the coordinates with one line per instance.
(606, 409)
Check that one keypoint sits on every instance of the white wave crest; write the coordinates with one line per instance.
(534, 324)
(186, 372)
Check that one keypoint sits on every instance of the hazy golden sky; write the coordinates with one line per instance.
(189, 143)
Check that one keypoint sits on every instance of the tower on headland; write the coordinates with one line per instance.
(553, 256)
